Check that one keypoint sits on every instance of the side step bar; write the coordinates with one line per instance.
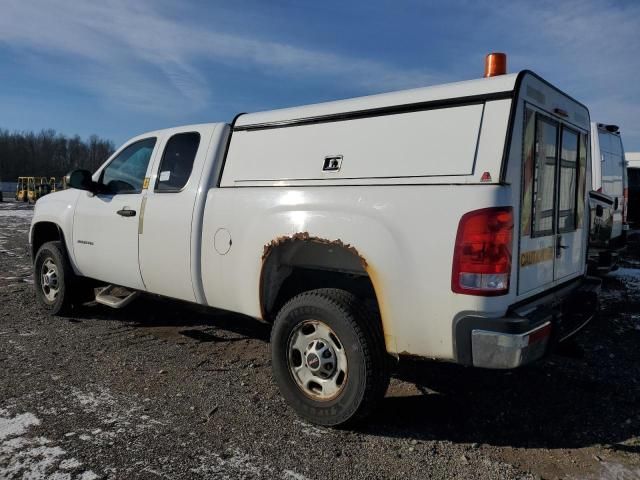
(116, 297)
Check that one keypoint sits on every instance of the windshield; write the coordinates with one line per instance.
(613, 164)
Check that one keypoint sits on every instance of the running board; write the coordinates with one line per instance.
(116, 297)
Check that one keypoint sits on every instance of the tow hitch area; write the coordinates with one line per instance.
(528, 331)
(508, 350)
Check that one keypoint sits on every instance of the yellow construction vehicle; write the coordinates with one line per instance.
(30, 189)
(22, 189)
(55, 185)
(43, 186)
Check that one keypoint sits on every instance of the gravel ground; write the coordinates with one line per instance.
(163, 389)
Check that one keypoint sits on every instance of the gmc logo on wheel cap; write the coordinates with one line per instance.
(313, 361)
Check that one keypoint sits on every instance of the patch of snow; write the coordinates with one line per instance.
(88, 475)
(27, 457)
(70, 464)
(615, 471)
(290, 474)
(626, 272)
(311, 430)
(59, 476)
(214, 465)
(17, 213)
(10, 427)
(90, 401)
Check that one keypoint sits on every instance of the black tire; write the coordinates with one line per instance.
(68, 284)
(358, 331)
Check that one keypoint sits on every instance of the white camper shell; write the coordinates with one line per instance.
(455, 214)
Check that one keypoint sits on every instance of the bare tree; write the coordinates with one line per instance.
(49, 154)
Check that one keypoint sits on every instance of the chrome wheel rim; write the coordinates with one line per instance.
(317, 360)
(49, 280)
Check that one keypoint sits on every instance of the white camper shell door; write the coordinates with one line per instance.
(552, 232)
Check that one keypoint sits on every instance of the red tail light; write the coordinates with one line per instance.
(482, 253)
(625, 204)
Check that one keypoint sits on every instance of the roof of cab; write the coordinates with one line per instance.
(632, 156)
(501, 84)
(170, 130)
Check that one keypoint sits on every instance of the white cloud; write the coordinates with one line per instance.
(133, 55)
(136, 55)
(587, 47)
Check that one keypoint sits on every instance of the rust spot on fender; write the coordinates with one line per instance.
(387, 330)
(389, 338)
(304, 236)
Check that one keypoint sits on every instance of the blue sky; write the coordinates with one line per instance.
(118, 68)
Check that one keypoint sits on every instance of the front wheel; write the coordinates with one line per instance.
(328, 357)
(54, 279)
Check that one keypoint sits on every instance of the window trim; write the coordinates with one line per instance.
(526, 229)
(575, 193)
(116, 155)
(157, 182)
(552, 231)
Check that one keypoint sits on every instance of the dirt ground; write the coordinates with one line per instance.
(163, 389)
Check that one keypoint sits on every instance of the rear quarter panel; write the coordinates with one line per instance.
(406, 235)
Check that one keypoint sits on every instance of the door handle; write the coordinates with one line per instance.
(559, 246)
(125, 212)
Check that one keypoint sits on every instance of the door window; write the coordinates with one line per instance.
(613, 163)
(544, 177)
(177, 162)
(126, 172)
(568, 181)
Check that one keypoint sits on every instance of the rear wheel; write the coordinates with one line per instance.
(57, 288)
(328, 358)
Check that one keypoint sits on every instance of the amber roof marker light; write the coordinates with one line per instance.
(495, 64)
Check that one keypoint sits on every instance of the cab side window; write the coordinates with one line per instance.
(126, 172)
(177, 162)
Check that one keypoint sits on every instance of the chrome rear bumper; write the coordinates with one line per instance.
(529, 329)
(508, 350)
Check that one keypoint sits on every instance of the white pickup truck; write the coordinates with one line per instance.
(446, 222)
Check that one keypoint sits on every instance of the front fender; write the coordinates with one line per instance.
(58, 208)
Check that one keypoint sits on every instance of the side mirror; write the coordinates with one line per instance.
(81, 179)
(599, 211)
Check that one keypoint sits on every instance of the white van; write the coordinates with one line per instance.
(446, 222)
(633, 180)
(609, 197)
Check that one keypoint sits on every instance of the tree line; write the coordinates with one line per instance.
(49, 154)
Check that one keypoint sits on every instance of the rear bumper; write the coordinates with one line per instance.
(603, 261)
(528, 330)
